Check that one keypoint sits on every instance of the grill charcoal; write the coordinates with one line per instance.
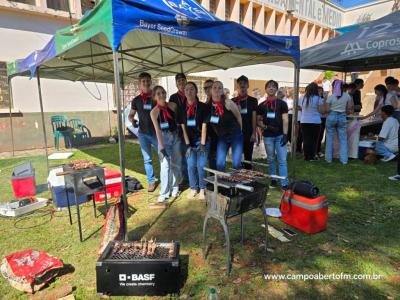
(143, 250)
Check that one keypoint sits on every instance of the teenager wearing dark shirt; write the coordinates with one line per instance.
(212, 137)
(248, 110)
(180, 100)
(195, 134)
(166, 122)
(226, 121)
(142, 105)
(356, 94)
(272, 117)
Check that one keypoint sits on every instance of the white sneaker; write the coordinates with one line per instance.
(162, 198)
(394, 178)
(389, 158)
(202, 194)
(175, 192)
(192, 194)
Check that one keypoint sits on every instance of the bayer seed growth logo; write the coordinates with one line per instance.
(188, 10)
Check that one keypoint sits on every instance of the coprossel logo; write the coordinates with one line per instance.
(188, 9)
(137, 277)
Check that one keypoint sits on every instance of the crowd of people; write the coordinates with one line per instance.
(324, 110)
(191, 134)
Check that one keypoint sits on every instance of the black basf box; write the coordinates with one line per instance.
(120, 274)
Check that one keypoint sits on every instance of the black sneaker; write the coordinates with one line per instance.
(273, 184)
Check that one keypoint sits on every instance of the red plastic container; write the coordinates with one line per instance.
(113, 185)
(306, 214)
(23, 181)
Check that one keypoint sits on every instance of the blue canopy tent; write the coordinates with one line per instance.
(371, 46)
(119, 39)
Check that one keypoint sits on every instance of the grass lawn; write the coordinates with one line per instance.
(363, 236)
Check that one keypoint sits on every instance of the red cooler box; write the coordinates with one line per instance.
(23, 181)
(307, 214)
(113, 185)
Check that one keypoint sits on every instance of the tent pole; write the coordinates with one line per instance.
(10, 111)
(121, 138)
(42, 115)
(294, 118)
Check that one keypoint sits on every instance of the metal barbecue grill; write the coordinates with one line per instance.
(230, 195)
(85, 181)
(123, 270)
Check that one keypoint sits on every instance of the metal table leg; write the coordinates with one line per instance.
(94, 207)
(69, 207)
(266, 229)
(205, 246)
(79, 218)
(241, 229)
(228, 247)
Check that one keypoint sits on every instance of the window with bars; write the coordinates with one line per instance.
(4, 91)
(227, 10)
(241, 13)
(213, 6)
(30, 2)
(254, 18)
(58, 4)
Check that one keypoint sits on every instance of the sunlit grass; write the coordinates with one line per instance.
(362, 235)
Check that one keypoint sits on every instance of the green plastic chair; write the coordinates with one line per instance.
(80, 131)
(60, 128)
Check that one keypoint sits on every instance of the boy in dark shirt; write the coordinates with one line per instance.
(180, 100)
(142, 105)
(248, 109)
(272, 117)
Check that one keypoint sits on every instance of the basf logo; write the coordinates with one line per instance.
(188, 9)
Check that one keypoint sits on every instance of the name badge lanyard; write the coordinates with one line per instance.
(273, 110)
(163, 124)
(215, 117)
(147, 106)
(243, 110)
(194, 119)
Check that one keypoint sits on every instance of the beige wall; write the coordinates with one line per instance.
(25, 33)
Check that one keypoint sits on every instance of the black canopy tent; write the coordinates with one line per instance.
(121, 38)
(372, 46)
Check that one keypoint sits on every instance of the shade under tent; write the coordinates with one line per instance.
(119, 39)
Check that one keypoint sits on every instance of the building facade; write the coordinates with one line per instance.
(27, 25)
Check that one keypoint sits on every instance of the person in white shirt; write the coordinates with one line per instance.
(383, 97)
(338, 105)
(289, 101)
(388, 143)
(326, 85)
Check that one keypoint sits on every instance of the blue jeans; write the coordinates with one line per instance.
(146, 141)
(182, 162)
(234, 140)
(382, 150)
(272, 147)
(196, 162)
(169, 166)
(336, 123)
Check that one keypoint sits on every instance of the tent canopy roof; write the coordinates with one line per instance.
(161, 37)
(374, 45)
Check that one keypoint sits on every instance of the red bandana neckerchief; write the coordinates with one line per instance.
(270, 102)
(191, 109)
(144, 96)
(182, 97)
(219, 107)
(164, 110)
(240, 98)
